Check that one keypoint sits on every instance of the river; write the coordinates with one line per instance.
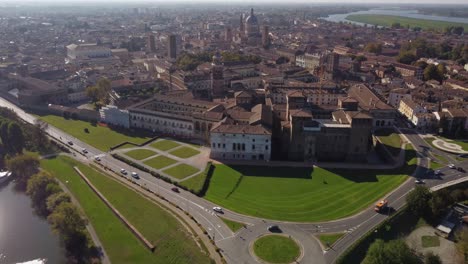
(393, 12)
(25, 236)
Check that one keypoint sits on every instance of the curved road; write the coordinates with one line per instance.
(235, 246)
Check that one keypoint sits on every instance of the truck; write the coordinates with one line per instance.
(381, 206)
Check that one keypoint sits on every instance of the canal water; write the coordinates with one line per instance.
(25, 236)
(394, 12)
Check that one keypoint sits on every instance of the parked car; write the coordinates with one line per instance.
(218, 209)
(438, 172)
(460, 169)
(84, 151)
(175, 189)
(452, 166)
(123, 171)
(274, 229)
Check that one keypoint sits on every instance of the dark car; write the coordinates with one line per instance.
(460, 169)
(70, 143)
(175, 189)
(274, 229)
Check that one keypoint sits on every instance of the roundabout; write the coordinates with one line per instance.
(276, 248)
(450, 147)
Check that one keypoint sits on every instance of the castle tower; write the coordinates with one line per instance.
(217, 78)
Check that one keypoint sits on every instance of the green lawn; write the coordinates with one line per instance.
(159, 162)
(390, 139)
(388, 20)
(165, 144)
(302, 194)
(181, 171)
(185, 152)
(172, 241)
(233, 225)
(195, 183)
(276, 249)
(430, 241)
(329, 239)
(140, 154)
(463, 144)
(100, 137)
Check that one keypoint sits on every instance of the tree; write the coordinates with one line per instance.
(458, 195)
(461, 239)
(430, 258)
(15, 138)
(430, 73)
(392, 252)
(67, 221)
(396, 25)
(406, 57)
(39, 187)
(374, 48)
(23, 167)
(54, 200)
(99, 93)
(440, 201)
(418, 200)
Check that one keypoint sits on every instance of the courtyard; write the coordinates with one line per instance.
(174, 159)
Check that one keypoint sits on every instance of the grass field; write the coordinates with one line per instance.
(195, 183)
(302, 194)
(387, 21)
(159, 162)
(276, 249)
(100, 137)
(173, 243)
(233, 225)
(430, 241)
(181, 171)
(140, 154)
(185, 152)
(164, 144)
(463, 144)
(390, 139)
(329, 239)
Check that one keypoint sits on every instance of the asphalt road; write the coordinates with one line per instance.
(235, 246)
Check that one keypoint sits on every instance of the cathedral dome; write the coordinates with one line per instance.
(252, 19)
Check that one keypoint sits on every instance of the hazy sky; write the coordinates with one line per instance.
(255, 2)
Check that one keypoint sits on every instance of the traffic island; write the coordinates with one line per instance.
(276, 249)
(453, 147)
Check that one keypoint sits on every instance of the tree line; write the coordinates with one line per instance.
(51, 202)
(189, 62)
(430, 206)
(418, 48)
(16, 135)
(48, 198)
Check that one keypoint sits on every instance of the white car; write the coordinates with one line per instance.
(419, 181)
(135, 175)
(123, 171)
(97, 158)
(218, 209)
(437, 172)
(84, 151)
(452, 166)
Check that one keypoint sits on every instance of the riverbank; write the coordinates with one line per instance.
(24, 235)
(389, 20)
